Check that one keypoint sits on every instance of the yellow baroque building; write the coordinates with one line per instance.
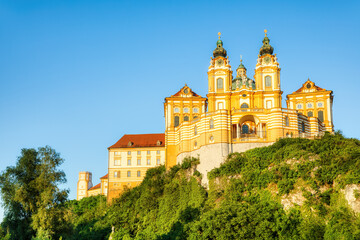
(239, 113)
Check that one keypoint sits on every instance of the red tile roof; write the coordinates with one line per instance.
(140, 140)
(95, 187)
(103, 177)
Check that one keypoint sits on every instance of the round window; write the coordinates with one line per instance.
(211, 138)
(308, 85)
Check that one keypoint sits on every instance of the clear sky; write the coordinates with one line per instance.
(77, 75)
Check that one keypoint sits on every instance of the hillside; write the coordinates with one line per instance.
(294, 189)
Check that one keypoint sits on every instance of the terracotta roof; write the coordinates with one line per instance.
(140, 140)
(103, 177)
(181, 92)
(95, 187)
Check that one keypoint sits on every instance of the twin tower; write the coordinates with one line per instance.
(241, 113)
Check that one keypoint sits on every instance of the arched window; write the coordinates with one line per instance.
(245, 128)
(176, 121)
(195, 130)
(244, 105)
(211, 123)
(321, 115)
(287, 123)
(220, 83)
(186, 118)
(310, 114)
(267, 81)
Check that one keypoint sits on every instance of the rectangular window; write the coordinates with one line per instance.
(138, 152)
(129, 162)
(117, 162)
(129, 173)
(158, 152)
(129, 152)
(148, 152)
(148, 162)
(117, 153)
(117, 174)
(139, 162)
(158, 161)
(138, 173)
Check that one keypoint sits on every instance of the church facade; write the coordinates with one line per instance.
(241, 113)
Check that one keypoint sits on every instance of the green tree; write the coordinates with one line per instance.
(30, 194)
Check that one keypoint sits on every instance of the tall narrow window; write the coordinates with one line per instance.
(129, 162)
(129, 173)
(139, 162)
(220, 83)
(148, 161)
(211, 123)
(303, 127)
(321, 115)
(138, 173)
(176, 121)
(244, 105)
(158, 161)
(287, 123)
(267, 81)
(195, 130)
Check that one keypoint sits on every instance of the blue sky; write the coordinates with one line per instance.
(77, 75)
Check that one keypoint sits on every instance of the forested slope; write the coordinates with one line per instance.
(293, 189)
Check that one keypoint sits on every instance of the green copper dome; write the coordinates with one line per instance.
(241, 66)
(266, 47)
(219, 50)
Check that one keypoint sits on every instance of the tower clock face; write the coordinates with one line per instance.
(267, 60)
(220, 62)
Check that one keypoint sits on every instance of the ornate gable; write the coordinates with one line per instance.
(186, 92)
(309, 86)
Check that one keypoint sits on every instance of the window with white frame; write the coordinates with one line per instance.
(195, 110)
(138, 173)
(129, 162)
(129, 173)
(158, 161)
(176, 110)
(139, 162)
(148, 161)
(267, 81)
(117, 162)
(211, 123)
(186, 110)
(220, 83)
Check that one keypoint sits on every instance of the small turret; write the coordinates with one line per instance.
(266, 47)
(219, 50)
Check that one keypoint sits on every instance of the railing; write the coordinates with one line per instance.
(254, 136)
(248, 110)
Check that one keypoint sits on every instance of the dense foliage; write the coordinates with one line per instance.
(31, 195)
(293, 189)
